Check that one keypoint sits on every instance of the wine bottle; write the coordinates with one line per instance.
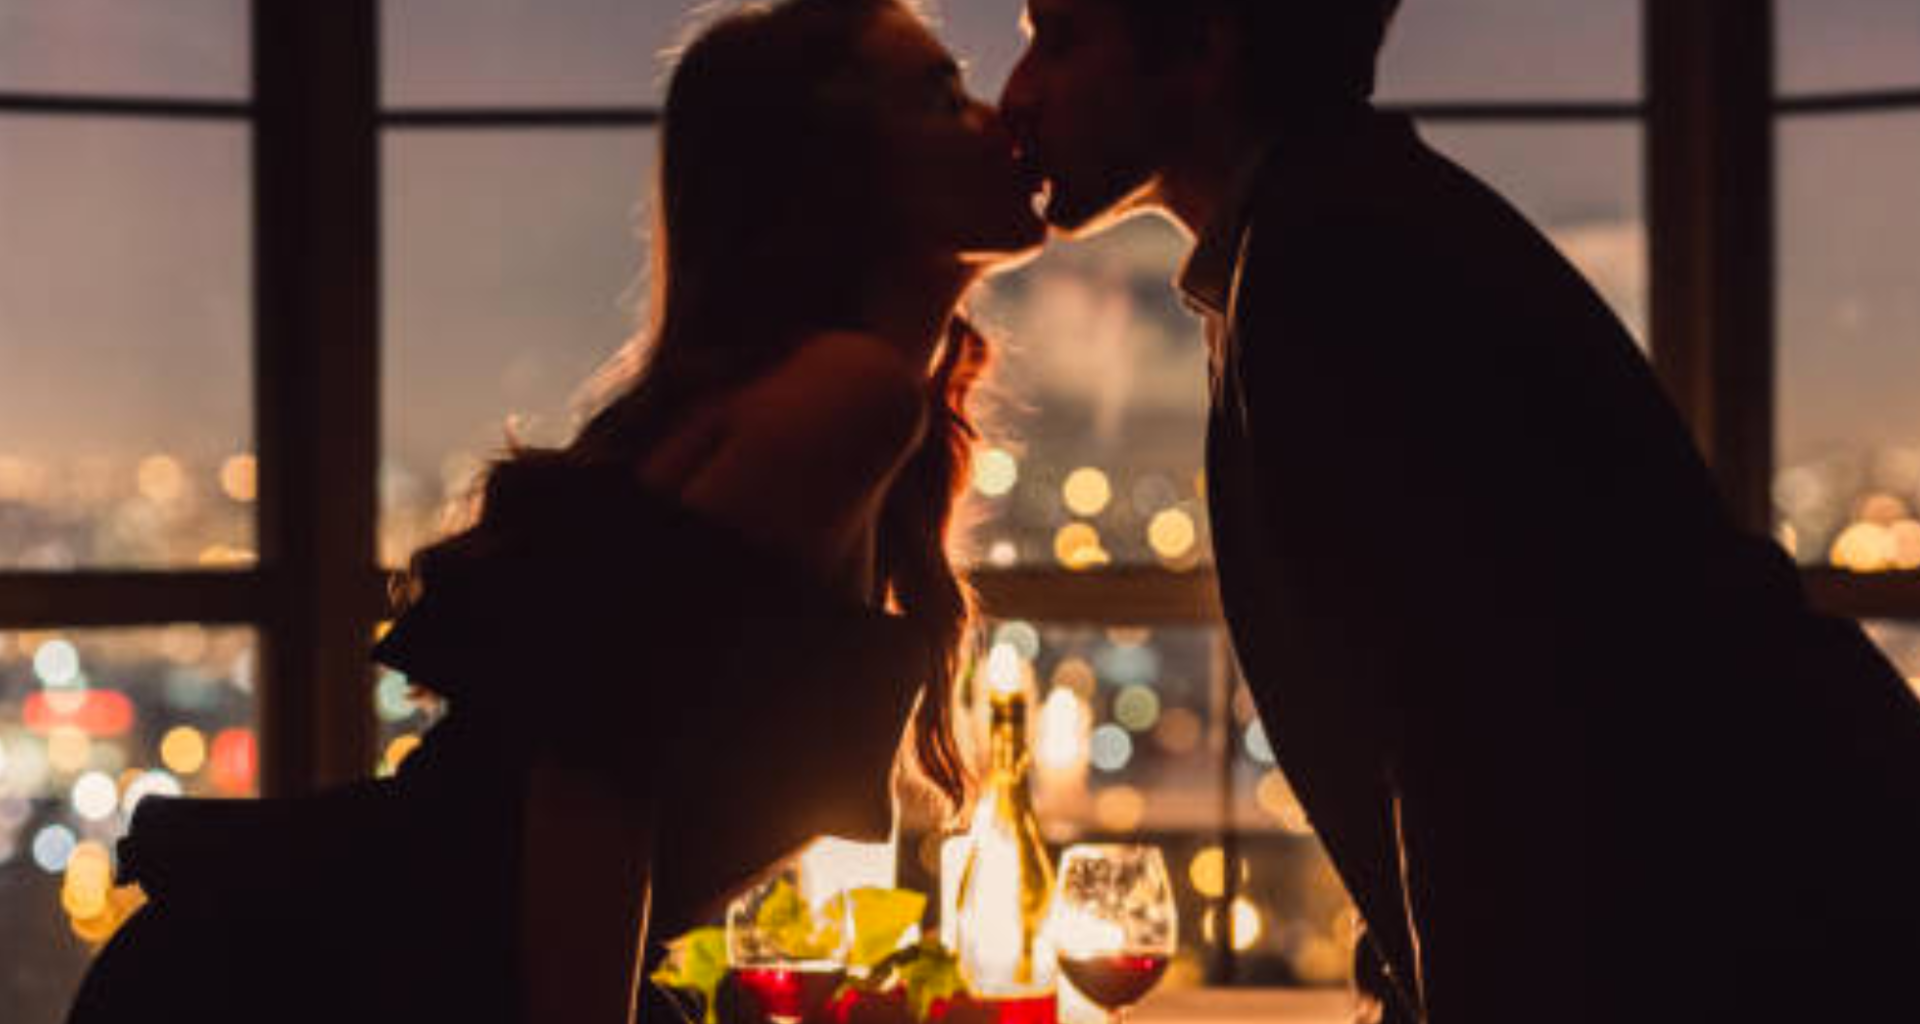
(1007, 878)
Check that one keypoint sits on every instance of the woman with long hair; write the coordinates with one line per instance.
(703, 631)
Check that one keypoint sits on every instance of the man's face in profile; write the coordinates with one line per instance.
(1087, 113)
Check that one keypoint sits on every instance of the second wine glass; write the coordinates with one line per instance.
(1115, 926)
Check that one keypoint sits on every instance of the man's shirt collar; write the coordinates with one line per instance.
(1206, 280)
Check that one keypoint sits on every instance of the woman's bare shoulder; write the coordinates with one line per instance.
(847, 386)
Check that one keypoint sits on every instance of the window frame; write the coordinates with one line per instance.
(1708, 116)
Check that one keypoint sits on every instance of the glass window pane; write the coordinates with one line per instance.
(1443, 50)
(1100, 426)
(527, 53)
(1848, 489)
(511, 266)
(1298, 925)
(985, 35)
(91, 721)
(181, 49)
(1133, 733)
(1579, 184)
(1900, 642)
(1837, 45)
(125, 337)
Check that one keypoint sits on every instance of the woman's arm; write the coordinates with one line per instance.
(585, 889)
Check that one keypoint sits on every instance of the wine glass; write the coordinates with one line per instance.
(1114, 922)
(790, 954)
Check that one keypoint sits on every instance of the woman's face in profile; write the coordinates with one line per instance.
(947, 165)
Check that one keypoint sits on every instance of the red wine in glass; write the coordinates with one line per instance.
(790, 993)
(1115, 980)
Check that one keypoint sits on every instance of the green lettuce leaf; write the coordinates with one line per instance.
(933, 973)
(696, 962)
(881, 918)
(787, 920)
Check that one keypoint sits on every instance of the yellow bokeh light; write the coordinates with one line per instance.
(185, 643)
(89, 877)
(1179, 731)
(226, 555)
(1087, 491)
(1064, 724)
(1321, 962)
(1172, 533)
(1865, 547)
(1208, 872)
(995, 472)
(1120, 808)
(68, 749)
(1882, 509)
(1906, 544)
(183, 750)
(1137, 708)
(1075, 674)
(399, 750)
(1277, 799)
(240, 478)
(1078, 547)
(1248, 924)
(161, 479)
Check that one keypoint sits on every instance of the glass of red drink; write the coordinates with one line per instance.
(1114, 923)
(788, 954)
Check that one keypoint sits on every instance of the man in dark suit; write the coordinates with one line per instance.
(1576, 745)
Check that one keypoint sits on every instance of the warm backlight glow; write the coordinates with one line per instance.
(831, 866)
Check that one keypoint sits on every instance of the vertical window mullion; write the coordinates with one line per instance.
(1710, 191)
(316, 387)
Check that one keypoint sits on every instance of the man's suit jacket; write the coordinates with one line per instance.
(1575, 744)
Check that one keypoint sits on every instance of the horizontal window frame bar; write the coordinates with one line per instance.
(1854, 595)
(646, 117)
(1522, 111)
(507, 117)
(1879, 101)
(43, 600)
(1126, 596)
(1141, 595)
(26, 103)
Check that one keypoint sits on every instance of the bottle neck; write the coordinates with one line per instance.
(1008, 755)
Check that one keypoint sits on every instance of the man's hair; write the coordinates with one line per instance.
(1294, 54)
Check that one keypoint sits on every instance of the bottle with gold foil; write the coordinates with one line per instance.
(1007, 878)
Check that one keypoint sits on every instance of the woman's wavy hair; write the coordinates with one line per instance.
(760, 172)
